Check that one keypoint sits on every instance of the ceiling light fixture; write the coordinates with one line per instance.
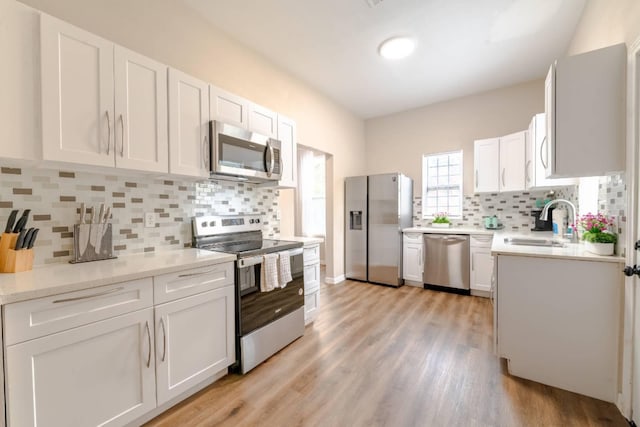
(396, 48)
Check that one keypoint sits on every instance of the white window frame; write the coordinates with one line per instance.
(425, 185)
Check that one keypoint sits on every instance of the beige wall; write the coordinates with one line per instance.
(397, 142)
(604, 23)
(169, 32)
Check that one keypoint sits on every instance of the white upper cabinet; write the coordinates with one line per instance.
(229, 108)
(188, 125)
(288, 137)
(499, 164)
(486, 160)
(102, 105)
(21, 131)
(141, 138)
(537, 157)
(77, 95)
(263, 121)
(585, 105)
(512, 162)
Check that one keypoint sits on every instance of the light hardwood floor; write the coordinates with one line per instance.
(379, 356)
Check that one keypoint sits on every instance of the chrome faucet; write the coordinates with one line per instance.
(544, 215)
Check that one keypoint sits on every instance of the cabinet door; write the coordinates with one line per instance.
(141, 138)
(98, 374)
(549, 139)
(263, 121)
(188, 125)
(481, 269)
(229, 108)
(486, 157)
(311, 306)
(512, 162)
(412, 262)
(195, 340)
(77, 95)
(20, 106)
(288, 153)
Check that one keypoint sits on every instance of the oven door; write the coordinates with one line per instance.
(239, 152)
(257, 309)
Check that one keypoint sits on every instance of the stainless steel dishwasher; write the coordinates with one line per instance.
(446, 260)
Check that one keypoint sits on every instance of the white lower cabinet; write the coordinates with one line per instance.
(311, 260)
(481, 264)
(412, 259)
(98, 374)
(195, 340)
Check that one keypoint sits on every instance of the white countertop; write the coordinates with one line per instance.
(308, 241)
(450, 230)
(575, 251)
(59, 278)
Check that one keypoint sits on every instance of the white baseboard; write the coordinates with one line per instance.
(335, 280)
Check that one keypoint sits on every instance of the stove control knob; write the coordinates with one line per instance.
(251, 221)
(212, 224)
(257, 221)
(204, 224)
(300, 291)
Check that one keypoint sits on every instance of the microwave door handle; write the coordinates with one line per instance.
(273, 159)
(268, 159)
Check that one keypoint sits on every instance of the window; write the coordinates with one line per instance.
(311, 194)
(442, 184)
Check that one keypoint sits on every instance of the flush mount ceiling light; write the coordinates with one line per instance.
(396, 48)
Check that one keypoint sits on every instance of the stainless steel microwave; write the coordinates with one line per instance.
(245, 155)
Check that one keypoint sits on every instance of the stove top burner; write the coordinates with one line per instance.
(252, 247)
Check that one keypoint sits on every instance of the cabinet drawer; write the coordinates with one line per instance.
(169, 287)
(311, 278)
(311, 255)
(412, 238)
(43, 316)
(480, 240)
(311, 305)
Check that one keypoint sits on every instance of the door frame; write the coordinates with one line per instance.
(630, 387)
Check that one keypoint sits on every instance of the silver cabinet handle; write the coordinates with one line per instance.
(146, 325)
(99, 294)
(121, 136)
(477, 178)
(542, 159)
(164, 339)
(204, 152)
(526, 169)
(196, 274)
(472, 264)
(108, 133)
(503, 170)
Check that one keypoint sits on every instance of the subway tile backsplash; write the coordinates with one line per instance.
(512, 209)
(54, 197)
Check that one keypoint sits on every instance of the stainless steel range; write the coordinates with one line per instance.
(265, 321)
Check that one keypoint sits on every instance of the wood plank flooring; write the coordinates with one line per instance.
(379, 356)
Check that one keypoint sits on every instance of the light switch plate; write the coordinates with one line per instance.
(149, 219)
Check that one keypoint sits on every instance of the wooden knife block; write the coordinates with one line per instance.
(12, 261)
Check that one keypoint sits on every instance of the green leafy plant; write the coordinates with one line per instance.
(599, 237)
(441, 218)
(597, 228)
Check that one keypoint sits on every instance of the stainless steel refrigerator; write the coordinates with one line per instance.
(377, 208)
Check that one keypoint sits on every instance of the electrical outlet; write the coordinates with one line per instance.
(149, 219)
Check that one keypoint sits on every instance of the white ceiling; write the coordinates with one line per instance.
(463, 46)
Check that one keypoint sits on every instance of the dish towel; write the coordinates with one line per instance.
(284, 269)
(269, 274)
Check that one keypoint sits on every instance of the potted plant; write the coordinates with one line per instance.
(597, 233)
(441, 220)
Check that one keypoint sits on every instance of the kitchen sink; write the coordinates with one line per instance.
(531, 241)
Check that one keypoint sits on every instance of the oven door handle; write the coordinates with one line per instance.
(297, 251)
(248, 262)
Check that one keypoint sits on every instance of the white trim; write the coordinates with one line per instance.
(335, 280)
(625, 397)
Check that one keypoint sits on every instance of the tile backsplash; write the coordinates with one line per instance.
(54, 197)
(512, 209)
